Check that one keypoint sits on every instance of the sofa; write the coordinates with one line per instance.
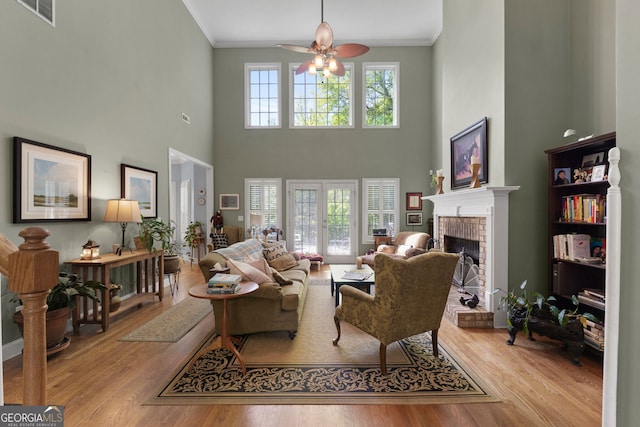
(405, 245)
(278, 303)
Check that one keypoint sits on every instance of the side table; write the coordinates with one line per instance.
(226, 340)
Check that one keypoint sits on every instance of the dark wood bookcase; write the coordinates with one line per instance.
(568, 215)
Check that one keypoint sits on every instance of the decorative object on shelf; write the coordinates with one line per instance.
(561, 176)
(122, 211)
(414, 201)
(256, 225)
(67, 174)
(414, 218)
(229, 202)
(141, 185)
(217, 222)
(324, 52)
(90, 250)
(475, 167)
(470, 143)
(114, 299)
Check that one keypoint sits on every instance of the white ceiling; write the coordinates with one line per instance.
(262, 23)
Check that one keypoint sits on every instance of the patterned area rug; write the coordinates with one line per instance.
(310, 370)
(174, 323)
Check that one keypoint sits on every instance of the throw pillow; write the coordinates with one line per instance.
(283, 262)
(220, 241)
(279, 278)
(413, 252)
(274, 251)
(247, 271)
(402, 249)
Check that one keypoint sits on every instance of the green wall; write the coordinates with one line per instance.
(109, 81)
(355, 153)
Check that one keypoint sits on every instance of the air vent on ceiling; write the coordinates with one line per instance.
(186, 119)
(45, 9)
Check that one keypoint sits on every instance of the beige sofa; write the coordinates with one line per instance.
(273, 307)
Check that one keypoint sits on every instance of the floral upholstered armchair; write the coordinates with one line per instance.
(406, 244)
(410, 299)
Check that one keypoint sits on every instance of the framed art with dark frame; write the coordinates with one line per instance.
(414, 218)
(466, 145)
(141, 185)
(229, 202)
(50, 183)
(414, 201)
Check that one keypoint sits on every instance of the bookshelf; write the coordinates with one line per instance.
(577, 209)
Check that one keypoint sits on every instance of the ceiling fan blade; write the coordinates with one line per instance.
(349, 50)
(324, 36)
(295, 48)
(303, 67)
(340, 70)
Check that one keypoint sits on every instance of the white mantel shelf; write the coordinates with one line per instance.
(492, 203)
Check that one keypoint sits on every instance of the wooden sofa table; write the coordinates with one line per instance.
(149, 282)
(225, 339)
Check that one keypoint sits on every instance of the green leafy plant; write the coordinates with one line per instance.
(152, 230)
(194, 230)
(64, 293)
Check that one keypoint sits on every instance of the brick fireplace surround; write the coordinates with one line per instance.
(480, 214)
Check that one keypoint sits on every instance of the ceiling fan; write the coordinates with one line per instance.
(324, 52)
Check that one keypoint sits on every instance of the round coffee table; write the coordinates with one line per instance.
(226, 340)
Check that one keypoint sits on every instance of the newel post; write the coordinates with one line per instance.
(33, 271)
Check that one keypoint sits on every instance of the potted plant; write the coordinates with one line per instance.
(154, 230)
(193, 232)
(60, 301)
(114, 299)
(532, 312)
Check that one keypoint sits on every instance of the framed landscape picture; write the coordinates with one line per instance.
(229, 202)
(466, 146)
(414, 218)
(141, 185)
(50, 183)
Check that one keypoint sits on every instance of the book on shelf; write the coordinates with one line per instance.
(590, 300)
(232, 289)
(221, 280)
(572, 246)
(595, 293)
(598, 345)
(584, 208)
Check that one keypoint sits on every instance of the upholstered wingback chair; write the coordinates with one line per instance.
(410, 298)
(405, 245)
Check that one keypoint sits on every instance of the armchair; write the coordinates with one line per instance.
(406, 245)
(410, 298)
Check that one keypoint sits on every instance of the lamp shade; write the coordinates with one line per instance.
(256, 219)
(122, 211)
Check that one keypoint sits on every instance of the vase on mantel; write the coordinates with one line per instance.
(439, 184)
(475, 181)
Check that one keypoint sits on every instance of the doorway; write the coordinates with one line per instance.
(322, 218)
(190, 192)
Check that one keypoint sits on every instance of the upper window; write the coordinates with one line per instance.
(45, 9)
(262, 95)
(381, 206)
(320, 101)
(380, 94)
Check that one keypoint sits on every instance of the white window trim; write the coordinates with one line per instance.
(366, 182)
(249, 66)
(292, 72)
(396, 96)
(247, 204)
(37, 13)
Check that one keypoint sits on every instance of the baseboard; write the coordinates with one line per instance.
(12, 349)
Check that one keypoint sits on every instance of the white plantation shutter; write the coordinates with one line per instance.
(264, 198)
(381, 201)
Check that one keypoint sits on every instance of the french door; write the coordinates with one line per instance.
(321, 217)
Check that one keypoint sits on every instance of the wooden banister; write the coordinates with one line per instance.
(33, 271)
(6, 247)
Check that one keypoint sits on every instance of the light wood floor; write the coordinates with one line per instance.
(102, 382)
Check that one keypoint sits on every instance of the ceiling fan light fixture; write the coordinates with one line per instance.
(318, 61)
(333, 65)
(326, 72)
(312, 69)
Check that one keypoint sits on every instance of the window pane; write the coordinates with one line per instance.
(380, 95)
(263, 100)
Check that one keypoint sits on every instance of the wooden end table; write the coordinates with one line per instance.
(225, 339)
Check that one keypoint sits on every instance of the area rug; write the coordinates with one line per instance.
(310, 370)
(174, 323)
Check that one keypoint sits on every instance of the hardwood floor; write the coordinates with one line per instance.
(102, 381)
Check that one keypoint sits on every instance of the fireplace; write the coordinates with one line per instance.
(482, 215)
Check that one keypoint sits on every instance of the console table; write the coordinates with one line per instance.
(149, 282)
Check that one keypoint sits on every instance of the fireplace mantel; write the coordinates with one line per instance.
(493, 204)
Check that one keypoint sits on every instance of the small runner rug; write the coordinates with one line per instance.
(174, 323)
(310, 370)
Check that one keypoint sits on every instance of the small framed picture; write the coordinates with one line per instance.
(414, 218)
(561, 176)
(592, 159)
(414, 201)
(229, 202)
(598, 172)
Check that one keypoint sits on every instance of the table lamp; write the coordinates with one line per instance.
(256, 223)
(122, 211)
